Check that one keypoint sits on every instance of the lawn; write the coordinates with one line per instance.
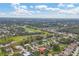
(62, 46)
(31, 30)
(10, 39)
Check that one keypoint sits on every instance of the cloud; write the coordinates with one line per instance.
(20, 10)
(70, 5)
(43, 11)
(61, 5)
(24, 7)
(23, 10)
(74, 11)
(41, 7)
(53, 9)
(2, 14)
(15, 5)
(46, 8)
(66, 5)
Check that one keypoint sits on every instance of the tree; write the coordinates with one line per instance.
(65, 41)
(36, 53)
(56, 47)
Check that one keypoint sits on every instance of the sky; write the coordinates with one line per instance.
(39, 10)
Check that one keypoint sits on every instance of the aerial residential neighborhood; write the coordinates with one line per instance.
(39, 29)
